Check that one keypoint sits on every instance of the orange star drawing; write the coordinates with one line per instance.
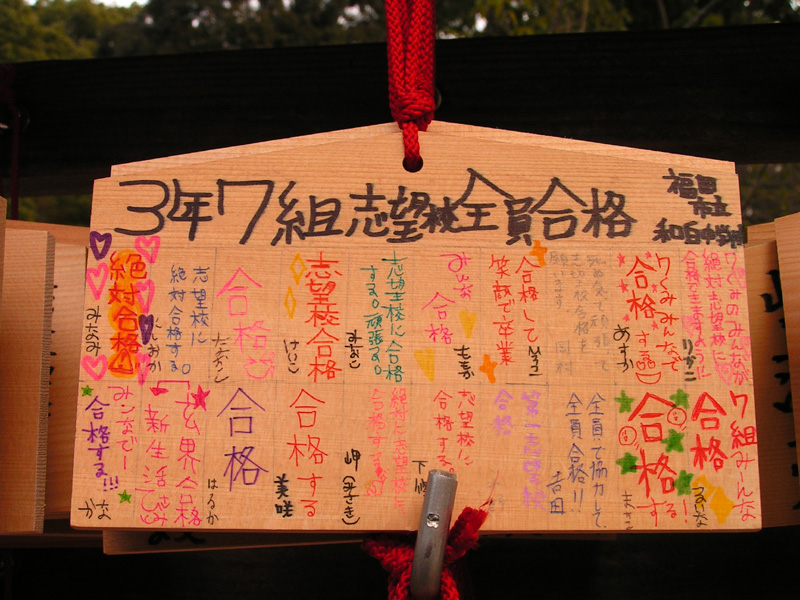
(538, 251)
(488, 368)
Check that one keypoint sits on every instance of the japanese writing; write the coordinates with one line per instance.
(397, 215)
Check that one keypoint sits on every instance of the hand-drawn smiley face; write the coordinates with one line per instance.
(676, 416)
(627, 435)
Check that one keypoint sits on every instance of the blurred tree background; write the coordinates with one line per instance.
(84, 29)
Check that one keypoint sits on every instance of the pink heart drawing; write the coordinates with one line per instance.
(95, 238)
(144, 367)
(148, 247)
(96, 278)
(95, 367)
(145, 302)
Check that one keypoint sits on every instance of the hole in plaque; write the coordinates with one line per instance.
(412, 167)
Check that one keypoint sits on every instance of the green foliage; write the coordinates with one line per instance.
(62, 210)
(55, 29)
(667, 14)
(83, 20)
(169, 26)
(769, 191)
(528, 17)
(23, 37)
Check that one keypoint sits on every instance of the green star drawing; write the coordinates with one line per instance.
(683, 484)
(628, 463)
(625, 403)
(86, 391)
(680, 398)
(124, 497)
(673, 441)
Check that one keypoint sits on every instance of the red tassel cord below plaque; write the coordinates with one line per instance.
(396, 553)
(410, 37)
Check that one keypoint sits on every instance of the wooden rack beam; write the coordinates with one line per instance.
(726, 93)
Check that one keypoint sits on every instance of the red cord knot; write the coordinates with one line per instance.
(413, 113)
(416, 106)
(410, 42)
(396, 553)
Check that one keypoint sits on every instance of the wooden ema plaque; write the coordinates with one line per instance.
(66, 329)
(290, 335)
(25, 321)
(784, 296)
(772, 386)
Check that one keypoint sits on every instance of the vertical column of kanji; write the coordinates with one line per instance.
(174, 388)
(377, 457)
(446, 307)
(722, 412)
(650, 393)
(392, 279)
(578, 340)
(241, 373)
(307, 479)
(489, 415)
(721, 418)
(116, 362)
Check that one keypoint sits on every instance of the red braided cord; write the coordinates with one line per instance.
(464, 534)
(410, 37)
(396, 555)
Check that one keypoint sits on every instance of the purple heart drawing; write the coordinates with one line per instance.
(146, 328)
(100, 244)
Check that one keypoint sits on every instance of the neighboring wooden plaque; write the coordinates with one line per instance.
(763, 232)
(2, 239)
(289, 337)
(786, 297)
(63, 234)
(773, 395)
(69, 274)
(153, 542)
(25, 320)
(68, 278)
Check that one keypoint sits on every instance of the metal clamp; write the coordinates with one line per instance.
(434, 526)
